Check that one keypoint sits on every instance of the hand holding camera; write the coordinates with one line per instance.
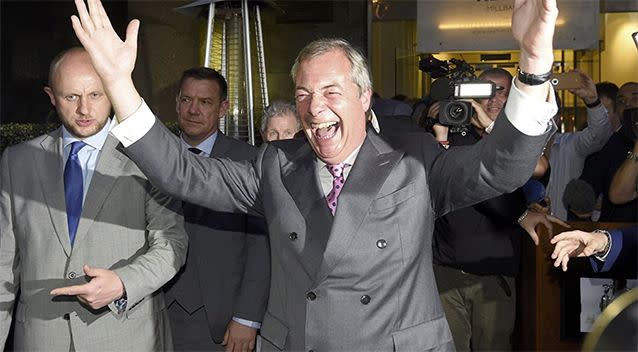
(587, 88)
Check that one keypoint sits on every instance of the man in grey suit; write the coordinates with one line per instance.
(350, 217)
(83, 235)
(219, 297)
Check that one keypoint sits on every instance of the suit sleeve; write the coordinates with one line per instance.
(166, 253)
(215, 183)
(499, 163)
(621, 260)
(9, 254)
(598, 131)
(506, 208)
(255, 284)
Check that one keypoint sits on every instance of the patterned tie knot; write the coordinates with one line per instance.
(336, 170)
(76, 147)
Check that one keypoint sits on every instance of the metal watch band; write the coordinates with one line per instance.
(632, 156)
(533, 79)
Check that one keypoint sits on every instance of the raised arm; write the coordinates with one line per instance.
(112, 58)
(624, 185)
(533, 24)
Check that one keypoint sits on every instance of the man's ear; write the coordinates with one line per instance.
(49, 92)
(365, 98)
(177, 102)
(223, 108)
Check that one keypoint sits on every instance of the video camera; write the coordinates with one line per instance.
(454, 80)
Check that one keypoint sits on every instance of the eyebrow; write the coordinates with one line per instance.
(333, 85)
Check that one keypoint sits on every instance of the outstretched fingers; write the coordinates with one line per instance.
(86, 23)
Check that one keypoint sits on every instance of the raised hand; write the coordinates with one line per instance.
(533, 23)
(587, 91)
(112, 58)
(480, 119)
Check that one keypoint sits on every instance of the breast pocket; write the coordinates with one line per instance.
(393, 199)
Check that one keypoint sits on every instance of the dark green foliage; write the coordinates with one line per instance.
(14, 133)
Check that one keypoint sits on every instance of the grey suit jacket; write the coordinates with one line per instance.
(362, 280)
(126, 226)
(228, 264)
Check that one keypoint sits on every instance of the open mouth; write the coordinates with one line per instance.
(325, 130)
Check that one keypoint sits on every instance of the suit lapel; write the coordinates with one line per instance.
(302, 182)
(373, 165)
(109, 167)
(221, 146)
(300, 179)
(50, 172)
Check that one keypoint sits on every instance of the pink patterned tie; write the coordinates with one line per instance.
(337, 184)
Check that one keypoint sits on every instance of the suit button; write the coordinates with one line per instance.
(311, 296)
(381, 244)
(71, 275)
(365, 299)
(66, 316)
(292, 236)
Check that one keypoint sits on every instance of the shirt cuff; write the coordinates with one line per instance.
(248, 323)
(135, 126)
(529, 115)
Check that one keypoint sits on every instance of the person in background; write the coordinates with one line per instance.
(476, 250)
(218, 299)
(567, 151)
(607, 93)
(600, 167)
(279, 121)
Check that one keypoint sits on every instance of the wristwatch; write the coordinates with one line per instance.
(632, 156)
(533, 79)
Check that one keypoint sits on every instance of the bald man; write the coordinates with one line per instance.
(88, 271)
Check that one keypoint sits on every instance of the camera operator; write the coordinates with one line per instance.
(476, 250)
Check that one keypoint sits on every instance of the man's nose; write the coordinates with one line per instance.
(193, 108)
(83, 106)
(317, 104)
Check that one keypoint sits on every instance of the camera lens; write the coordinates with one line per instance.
(456, 111)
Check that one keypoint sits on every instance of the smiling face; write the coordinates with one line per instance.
(78, 96)
(331, 106)
(199, 108)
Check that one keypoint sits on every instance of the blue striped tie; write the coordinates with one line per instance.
(73, 189)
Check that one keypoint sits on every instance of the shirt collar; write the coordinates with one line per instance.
(349, 160)
(205, 146)
(374, 121)
(96, 141)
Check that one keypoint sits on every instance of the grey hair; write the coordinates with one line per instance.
(358, 64)
(276, 109)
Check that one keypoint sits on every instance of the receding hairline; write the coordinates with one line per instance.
(58, 59)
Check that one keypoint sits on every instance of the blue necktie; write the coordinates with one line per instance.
(73, 189)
